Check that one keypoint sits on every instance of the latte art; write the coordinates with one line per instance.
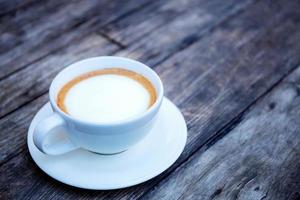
(107, 95)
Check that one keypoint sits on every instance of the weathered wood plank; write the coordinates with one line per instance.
(8, 7)
(224, 86)
(259, 159)
(46, 27)
(181, 32)
(143, 50)
(133, 27)
(13, 28)
(14, 128)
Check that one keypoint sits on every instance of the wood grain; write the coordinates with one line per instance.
(14, 129)
(183, 31)
(10, 7)
(218, 83)
(133, 27)
(142, 50)
(46, 27)
(258, 159)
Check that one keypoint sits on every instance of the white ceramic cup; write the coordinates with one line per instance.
(104, 138)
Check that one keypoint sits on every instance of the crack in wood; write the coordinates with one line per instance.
(23, 104)
(112, 40)
(32, 62)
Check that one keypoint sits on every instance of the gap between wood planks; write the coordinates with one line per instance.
(14, 155)
(112, 40)
(30, 63)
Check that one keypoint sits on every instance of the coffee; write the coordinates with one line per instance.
(106, 95)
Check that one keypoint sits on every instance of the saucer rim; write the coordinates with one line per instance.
(131, 182)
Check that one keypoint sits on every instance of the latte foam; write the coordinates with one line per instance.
(107, 95)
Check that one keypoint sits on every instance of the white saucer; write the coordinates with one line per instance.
(153, 155)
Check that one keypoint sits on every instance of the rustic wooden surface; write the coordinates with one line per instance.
(232, 67)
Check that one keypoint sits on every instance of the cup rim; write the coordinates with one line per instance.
(114, 123)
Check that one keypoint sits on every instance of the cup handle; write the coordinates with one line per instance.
(44, 128)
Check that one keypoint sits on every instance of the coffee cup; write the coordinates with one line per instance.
(107, 137)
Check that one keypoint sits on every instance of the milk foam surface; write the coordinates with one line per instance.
(107, 98)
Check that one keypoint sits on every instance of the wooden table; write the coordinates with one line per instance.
(232, 67)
